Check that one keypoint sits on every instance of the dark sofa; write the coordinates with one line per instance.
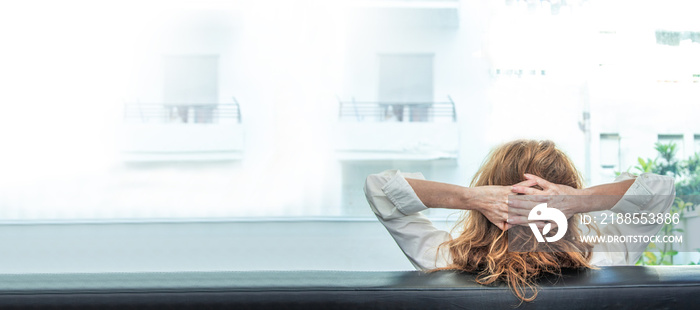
(623, 287)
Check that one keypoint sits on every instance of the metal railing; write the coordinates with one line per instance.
(385, 111)
(198, 113)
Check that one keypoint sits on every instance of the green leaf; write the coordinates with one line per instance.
(651, 257)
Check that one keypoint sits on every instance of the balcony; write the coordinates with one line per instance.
(181, 132)
(397, 131)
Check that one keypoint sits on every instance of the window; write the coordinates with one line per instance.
(678, 141)
(406, 86)
(610, 151)
(191, 87)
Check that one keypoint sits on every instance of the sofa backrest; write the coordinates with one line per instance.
(621, 287)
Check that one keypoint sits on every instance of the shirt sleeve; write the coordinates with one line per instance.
(650, 193)
(398, 208)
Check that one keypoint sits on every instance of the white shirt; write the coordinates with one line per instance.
(398, 208)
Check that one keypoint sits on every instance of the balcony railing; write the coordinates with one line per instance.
(362, 111)
(200, 113)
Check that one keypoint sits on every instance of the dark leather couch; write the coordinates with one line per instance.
(625, 287)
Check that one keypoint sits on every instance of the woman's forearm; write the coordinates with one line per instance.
(491, 201)
(567, 199)
(440, 195)
(617, 188)
(487, 199)
(604, 196)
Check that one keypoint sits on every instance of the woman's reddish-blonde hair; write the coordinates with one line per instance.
(482, 247)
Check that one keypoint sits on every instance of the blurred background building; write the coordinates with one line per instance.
(278, 110)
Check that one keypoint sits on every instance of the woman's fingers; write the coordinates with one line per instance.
(540, 181)
(527, 183)
(522, 205)
(496, 213)
(517, 220)
(525, 190)
(500, 222)
(519, 212)
(527, 202)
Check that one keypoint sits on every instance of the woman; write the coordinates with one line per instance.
(524, 167)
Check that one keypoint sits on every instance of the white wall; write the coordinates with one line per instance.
(179, 138)
(390, 140)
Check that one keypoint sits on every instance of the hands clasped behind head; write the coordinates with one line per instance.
(505, 206)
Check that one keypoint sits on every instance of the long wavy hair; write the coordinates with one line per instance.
(482, 247)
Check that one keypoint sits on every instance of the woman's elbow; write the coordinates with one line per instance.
(659, 184)
(374, 183)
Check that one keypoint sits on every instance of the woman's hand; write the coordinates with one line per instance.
(561, 197)
(492, 201)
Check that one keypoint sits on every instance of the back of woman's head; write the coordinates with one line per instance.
(482, 247)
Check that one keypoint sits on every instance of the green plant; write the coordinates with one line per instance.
(645, 166)
(687, 176)
(663, 255)
(667, 163)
